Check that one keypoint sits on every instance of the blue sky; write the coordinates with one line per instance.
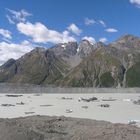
(30, 23)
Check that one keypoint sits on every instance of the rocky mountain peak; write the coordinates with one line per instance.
(65, 49)
(85, 47)
(127, 42)
(87, 42)
(100, 44)
(127, 38)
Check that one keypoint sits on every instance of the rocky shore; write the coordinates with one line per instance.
(62, 128)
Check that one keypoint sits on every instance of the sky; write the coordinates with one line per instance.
(27, 24)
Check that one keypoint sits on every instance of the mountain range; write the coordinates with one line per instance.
(83, 64)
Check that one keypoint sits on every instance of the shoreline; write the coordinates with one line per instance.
(26, 88)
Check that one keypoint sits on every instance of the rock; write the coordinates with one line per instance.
(104, 105)
(136, 102)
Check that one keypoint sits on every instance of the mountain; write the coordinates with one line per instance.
(40, 66)
(99, 69)
(83, 64)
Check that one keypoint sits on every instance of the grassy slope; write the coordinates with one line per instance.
(133, 76)
(106, 80)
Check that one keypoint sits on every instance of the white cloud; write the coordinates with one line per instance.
(26, 43)
(90, 39)
(111, 30)
(89, 21)
(103, 40)
(41, 34)
(11, 50)
(74, 29)
(92, 21)
(6, 40)
(10, 19)
(5, 33)
(137, 2)
(17, 16)
(102, 23)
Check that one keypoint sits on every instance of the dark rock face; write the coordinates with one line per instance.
(78, 65)
(62, 128)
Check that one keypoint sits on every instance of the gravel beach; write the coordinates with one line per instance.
(62, 128)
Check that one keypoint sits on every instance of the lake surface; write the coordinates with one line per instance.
(120, 111)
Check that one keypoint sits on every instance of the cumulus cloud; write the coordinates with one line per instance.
(137, 2)
(41, 34)
(5, 33)
(74, 29)
(17, 16)
(90, 39)
(11, 50)
(102, 23)
(111, 30)
(89, 21)
(103, 40)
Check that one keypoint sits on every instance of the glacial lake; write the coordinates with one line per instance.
(120, 111)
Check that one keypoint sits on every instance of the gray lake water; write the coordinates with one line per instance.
(120, 111)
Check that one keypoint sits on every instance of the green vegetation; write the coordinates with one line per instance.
(133, 76)
(106, 80)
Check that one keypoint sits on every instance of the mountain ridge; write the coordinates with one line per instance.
(83, 64)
